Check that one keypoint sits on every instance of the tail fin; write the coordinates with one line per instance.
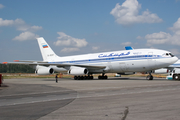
(129, 48)
(46, 51)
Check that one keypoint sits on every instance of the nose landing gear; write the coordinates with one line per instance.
(149, 77)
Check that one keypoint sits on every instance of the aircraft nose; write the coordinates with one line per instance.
(175, 59)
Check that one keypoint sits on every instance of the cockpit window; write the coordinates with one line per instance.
(171, 54)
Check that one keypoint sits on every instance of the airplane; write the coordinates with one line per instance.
(84, 66)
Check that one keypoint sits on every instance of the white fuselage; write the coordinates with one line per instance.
(137, 60)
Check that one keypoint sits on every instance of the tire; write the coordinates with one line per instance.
(78, 77)
(75, 77)
(151, 77)
(176, 77)
(82, 77)
(91, 77)
(147, 78)
(85, 77)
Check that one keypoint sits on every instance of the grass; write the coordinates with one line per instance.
(32, 75)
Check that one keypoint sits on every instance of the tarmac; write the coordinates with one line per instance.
(44, 99)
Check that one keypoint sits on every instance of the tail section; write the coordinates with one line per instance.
(46, 51)
(128, 48)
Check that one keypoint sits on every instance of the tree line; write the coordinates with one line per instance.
(15, 68)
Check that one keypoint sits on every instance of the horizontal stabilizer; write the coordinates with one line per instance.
(30, 61)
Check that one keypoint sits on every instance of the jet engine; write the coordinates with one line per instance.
(44, 71)
(78, 71)
(161, 71)
(177, 70)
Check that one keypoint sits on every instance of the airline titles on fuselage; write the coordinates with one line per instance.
(113, 55)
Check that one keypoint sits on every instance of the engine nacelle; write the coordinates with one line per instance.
(78, 71)
(161, 71)
(177, 70)
(44, 71)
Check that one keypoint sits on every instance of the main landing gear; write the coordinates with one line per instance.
(83, 77)
(103, 76)
(90, 77)
(149, 77)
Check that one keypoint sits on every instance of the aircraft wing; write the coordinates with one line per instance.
(57, 64)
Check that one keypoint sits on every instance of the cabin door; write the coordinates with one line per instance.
(151, 60)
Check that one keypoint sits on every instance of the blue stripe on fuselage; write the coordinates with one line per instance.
(138, 57)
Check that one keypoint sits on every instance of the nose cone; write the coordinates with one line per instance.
(174, 59)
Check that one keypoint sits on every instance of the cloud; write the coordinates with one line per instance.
(26, 36)
(176, 26)
(1, 6)
(66, 40)
(5, 22)
(126, 43)
(11, 22)
(166, 38)
(20, 25)
(95, 48)
(139, 38)
(127, 14)
(70, 49)
(35, 28)
(25, 27)
(158, 38)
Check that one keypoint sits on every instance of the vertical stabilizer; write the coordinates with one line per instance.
(46, 51)
(129, 48)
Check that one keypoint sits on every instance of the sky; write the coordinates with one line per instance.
(73, 27)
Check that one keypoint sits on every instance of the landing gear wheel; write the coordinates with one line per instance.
(75, 77)
(176, 77)
(151, 77)
(83, 77)
(102, 77)
(79, 77)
